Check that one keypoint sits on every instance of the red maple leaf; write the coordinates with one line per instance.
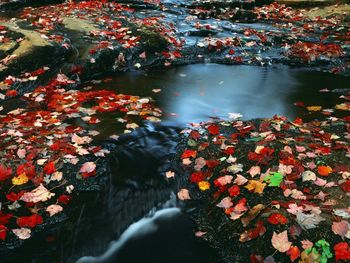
(49, 168)
(29, 221)
(188, 154)
(277, 218)
(234, 190)
(5, 172)
(342, 251)
(214, 129)
(3, 232)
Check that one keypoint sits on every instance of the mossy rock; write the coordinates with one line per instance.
(152, 40)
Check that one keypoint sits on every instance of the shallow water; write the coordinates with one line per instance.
(195, 93)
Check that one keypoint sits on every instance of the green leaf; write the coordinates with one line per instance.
(223, 159)
(274, 179)
(255, 139)
(326, 253)
(191, 143)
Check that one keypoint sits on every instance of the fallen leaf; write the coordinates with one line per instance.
(314, 108)
(88, 167)
(22, 233)
(19, 180)
(280, 241)
(252, 214)
(293, 253)
(203, 185)
(341, 228)
(255, 186)
(184, 194)
(254, 170)
(277, 218)
(324, 170)
(39, 194)
(170, 174)
(54, 209)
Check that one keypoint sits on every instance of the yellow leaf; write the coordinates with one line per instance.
(342, 106)
(314, 108)
(203, 185)
(255, 186)
(21, 179)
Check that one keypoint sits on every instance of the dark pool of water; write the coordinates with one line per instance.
(195, 93)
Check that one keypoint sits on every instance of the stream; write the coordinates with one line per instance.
(186, 94)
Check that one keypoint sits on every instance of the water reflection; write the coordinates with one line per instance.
(196, 92)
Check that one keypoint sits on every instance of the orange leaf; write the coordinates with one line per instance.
(293, 253)
(324, 170)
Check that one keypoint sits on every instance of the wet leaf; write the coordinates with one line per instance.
(203, 185)
(255, 186)
(19, 180)
(183, 194)
(341, 228)
(293, 253)
(22, 233)
(277, 218)
(39, 194)
(252, 214)
(54, 209)
(280, 241)
(274, 179)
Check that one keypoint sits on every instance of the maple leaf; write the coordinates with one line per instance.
(88, 167)
(308, 221)
(255, 186)
(5, 172)
(280, 241)
(240, 180)
(170, 174)
(21, 153)
(341, 228)
(203, 185)
(324, 170)
(253, 233)
(49, 168)
(238, 210)
(234, 190)
(277, 218)
(308, 176)
(252, 214)
(3, 232)
(213, 129)
(274, 179)
(225, 203)
(254, 170)
(54, 209)
(223, 180)
(22, 233)
(183, 194)
(342, 251)
(188, 154)
(39, 194)
(29, 221)
(314, 108)
(307, 244)
(293, 253)
(235, 168)
(19, 180)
